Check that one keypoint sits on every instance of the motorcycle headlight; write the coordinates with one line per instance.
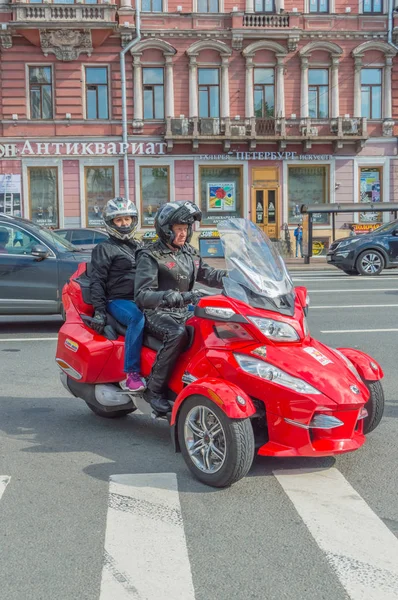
(275, 330)
(265, 370)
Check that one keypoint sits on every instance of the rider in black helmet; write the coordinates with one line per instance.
(112, 283)
(166, 274)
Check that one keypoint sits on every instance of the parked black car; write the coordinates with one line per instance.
(367, 254)
(35, 263)
(83, 237)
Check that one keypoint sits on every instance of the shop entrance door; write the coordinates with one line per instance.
(265, 211)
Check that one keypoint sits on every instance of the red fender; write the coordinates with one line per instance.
(366, 366)
(221, 393)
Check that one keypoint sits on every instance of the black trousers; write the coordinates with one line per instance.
(169, 327)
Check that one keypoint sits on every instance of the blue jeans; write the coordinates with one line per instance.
(299, 244)
(128, 314)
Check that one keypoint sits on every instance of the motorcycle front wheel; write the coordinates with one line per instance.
(217, 450)
(374, 406)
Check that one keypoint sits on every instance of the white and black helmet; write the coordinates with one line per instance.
(120, 207)
(176, 213)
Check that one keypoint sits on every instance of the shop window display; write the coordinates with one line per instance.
(308, 185)
(100, 187)
(43, 195)
(220, 194)
(155, 191)
(370, 191)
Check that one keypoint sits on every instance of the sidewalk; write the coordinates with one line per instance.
(293, 264)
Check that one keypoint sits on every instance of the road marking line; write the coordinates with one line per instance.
(358, 545)
(38, 339)
(145, 547)
(356, 306)
(357, 330)
(348, 278)
(4, 481)
(355, 290)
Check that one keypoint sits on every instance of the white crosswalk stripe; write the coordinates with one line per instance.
(146, 556)
(4, 481)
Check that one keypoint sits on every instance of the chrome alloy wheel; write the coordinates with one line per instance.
(204, 439)
(371, 263)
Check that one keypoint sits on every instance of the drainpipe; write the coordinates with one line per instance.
(124, 100)
(390, 23)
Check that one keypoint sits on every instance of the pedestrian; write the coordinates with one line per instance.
(298, 234)
(352, 230)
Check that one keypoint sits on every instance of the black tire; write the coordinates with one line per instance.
(374, 406)
(370, 263)
(350, 271)
(114, 414)
(239, 446)
(63, 313)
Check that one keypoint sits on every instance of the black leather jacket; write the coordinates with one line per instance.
(113, 271)
(160, 269)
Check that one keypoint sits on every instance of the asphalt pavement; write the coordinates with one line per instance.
(64, 473)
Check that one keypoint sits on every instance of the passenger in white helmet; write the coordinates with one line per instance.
(112, 283)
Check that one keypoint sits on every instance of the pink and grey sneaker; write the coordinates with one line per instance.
(135, 383)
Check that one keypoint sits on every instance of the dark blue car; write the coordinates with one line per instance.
(35, 263)
(367, 254)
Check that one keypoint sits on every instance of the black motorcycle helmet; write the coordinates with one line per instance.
(176, 213)
(120, 207)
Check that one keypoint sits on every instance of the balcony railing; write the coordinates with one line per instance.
(267, 21)
(74, 13)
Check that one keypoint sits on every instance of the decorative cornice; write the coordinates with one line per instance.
(374, 45)
(220, 47)
(66, 44)
(264, 45)
(329, 47)
(153, 43)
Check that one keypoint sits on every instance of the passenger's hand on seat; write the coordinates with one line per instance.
(173, 299)
(99, 321)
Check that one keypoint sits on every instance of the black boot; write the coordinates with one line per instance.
(159, 404)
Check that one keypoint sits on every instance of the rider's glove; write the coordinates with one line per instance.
(192, 297)
(173, 299)
(98, 322)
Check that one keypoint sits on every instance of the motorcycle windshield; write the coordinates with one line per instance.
(256, 270)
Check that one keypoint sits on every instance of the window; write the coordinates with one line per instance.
(43, 195)
(307, 185)
(152, 6)
(10, 194)
(16, 241)
(97, 93)
(372, 6)
(153, 93)
(220, 193)
(266, 6)
(208, 6)
(209, 93)
(370, 191)
(100, 187)
(371, 93)
(319, 6)
(264, 92)
(318, 93)
(40, 93)
(155, 191)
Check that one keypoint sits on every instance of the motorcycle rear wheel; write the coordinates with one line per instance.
(217, 450)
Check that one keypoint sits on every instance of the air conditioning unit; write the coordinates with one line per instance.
(179, 126)
(238, 130)
(350, 126)
(309, 131)
(210, 126)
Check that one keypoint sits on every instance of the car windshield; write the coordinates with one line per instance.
(385, 228)
(53, 238)
(252, 262)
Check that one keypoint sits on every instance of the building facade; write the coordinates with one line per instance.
(247, 107)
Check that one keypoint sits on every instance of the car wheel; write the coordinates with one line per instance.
(370, 262)
(217, 450)
(374, 406)
(114, 414)
(350, 271)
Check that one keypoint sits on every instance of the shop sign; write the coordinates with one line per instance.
(29, 148)
(266, 156)
(365, 227)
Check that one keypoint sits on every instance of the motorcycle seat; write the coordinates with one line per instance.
(149, 340)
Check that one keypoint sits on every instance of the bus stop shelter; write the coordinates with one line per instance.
(308, 211)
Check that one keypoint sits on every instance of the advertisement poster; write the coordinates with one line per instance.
(370, 189)
(221, 197)
(10, 194)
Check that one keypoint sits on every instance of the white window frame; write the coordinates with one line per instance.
(43, 162)
(220, 8)
(332, 9)
(95, 162)
(163, 161)
(84, 103)
(377, 162)
(27, 83)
